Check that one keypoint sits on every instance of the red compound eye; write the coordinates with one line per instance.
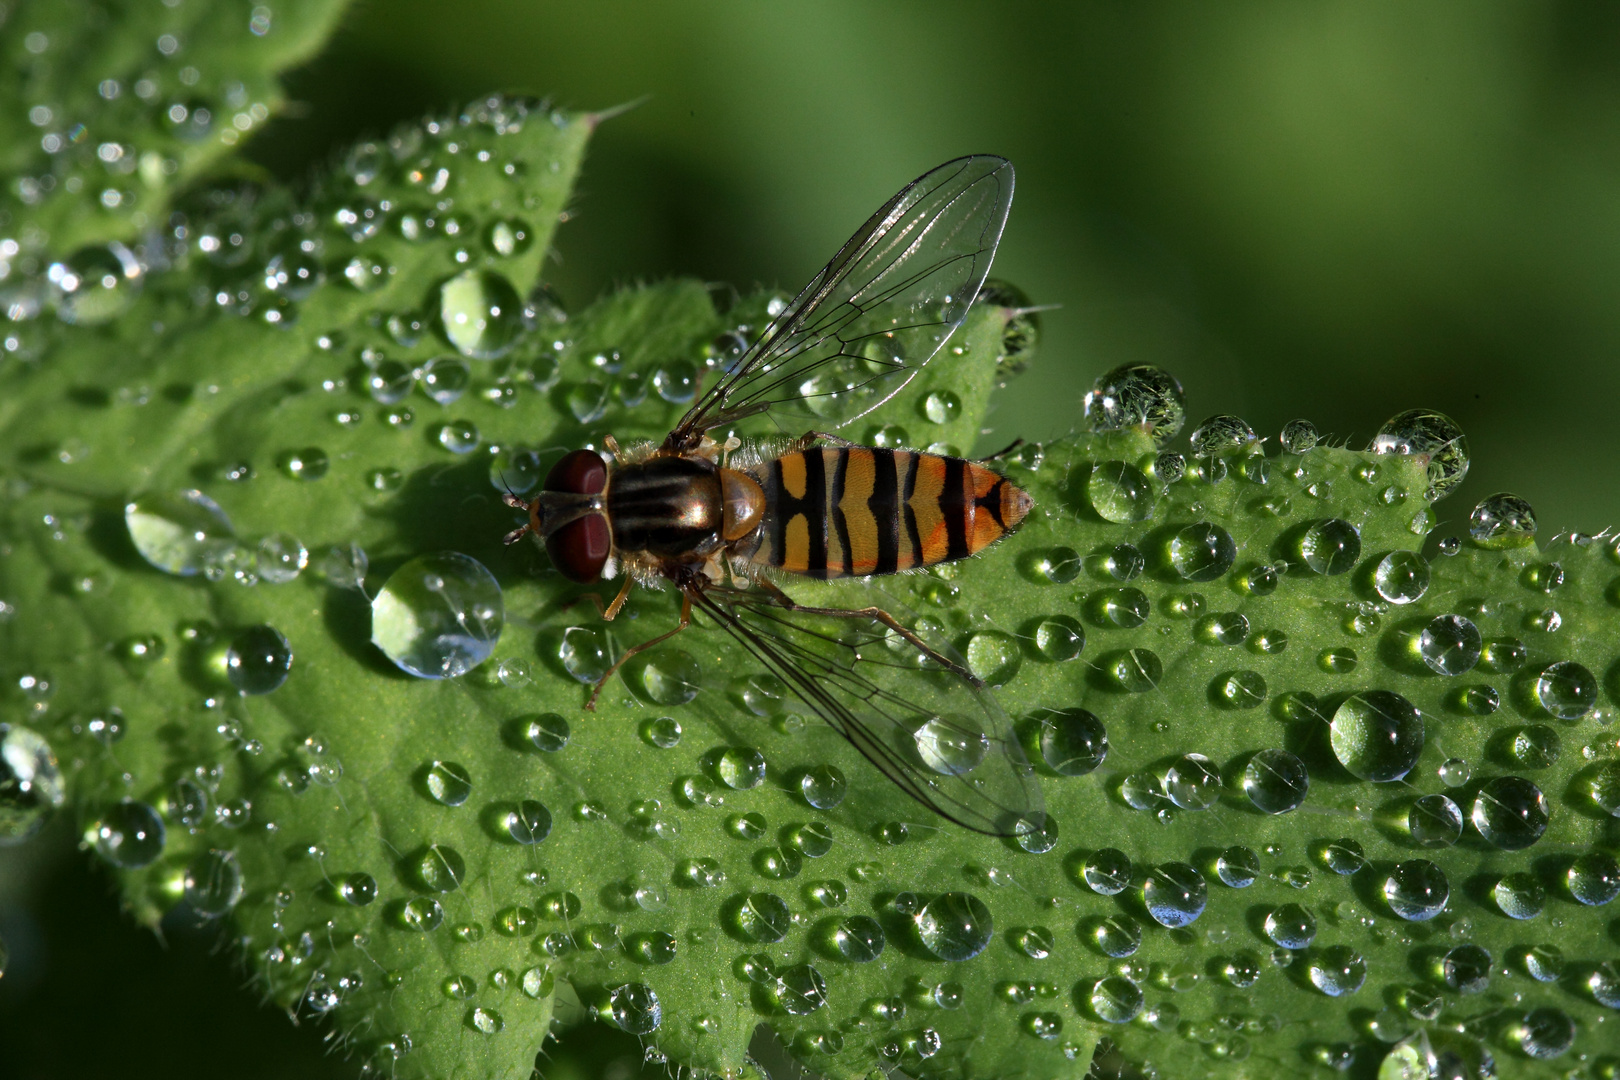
(582, 472)
(580, 548)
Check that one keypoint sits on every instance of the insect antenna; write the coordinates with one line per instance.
(516, 502)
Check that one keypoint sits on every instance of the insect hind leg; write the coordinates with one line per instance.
(877, 615)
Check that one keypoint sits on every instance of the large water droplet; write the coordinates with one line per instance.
(180, 532)
(1298, 437)
(1519, 896)
(666, 676)
(1401, 577)
(481, 313)
(30, 783)
(1450, 645)
(1116, 999)
(1202, 552)
(1219, 433)
(1566, 689)
(1502, 521)
(1275, 781)
(1434, 821)
(1291, 926)
(1510, 813)
(358, 889)
(258, 660)
(529, 822)
(1330, 547)
(1546, 1033)
(1120, 492)
(1124, 609)
(1118, 936)
(1416, 890)
(1137, 395)
(1377, 735)
(740, 768)
(951, 746)
(1072, 742)
(445, 378)
(439, 867)
(422, 914)
(635, 1008)
(213, 883)
(129, 834)
(1238, 867)
(1338, 970)
(762, 917)
(1107, 872)
(1174, 894)
(1466, 969)
(823, 786)
(858, 939)
(438, 616)
(1192, 782)
(1136, 671)
(448, 782)
(954, 926)
(1435, 439)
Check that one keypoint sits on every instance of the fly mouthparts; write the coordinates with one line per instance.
(514, 536)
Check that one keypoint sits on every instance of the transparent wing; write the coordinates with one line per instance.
(878, 311)
(940, 738)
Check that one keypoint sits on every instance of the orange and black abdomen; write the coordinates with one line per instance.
(857, 510)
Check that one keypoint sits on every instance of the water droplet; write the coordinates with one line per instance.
(1238, 867)
(1435, 439)
(1504, 655)
(422, 914)
(178, 533)
(1401, 577)
(187, 803)
(762, 917)
(994, 657)
(1136, 671)
(740, 768)
(1338, 970)
(1466, 969)
(1072, 742)
(1241, 689)
(1298, 437)
(1123, 609)
(823, 786)
(1118, 936)
(529, 822)
(1261, 581)
(440, 868)
(1202, 552)
(481, 313)
(1107, 872)
(30, 783)
(1416, 890)
(459, 436)
(1175, 894)
(1450, 645)
(1566, 690)
(1340, 661)
(1546, 1033)
(1377, 735)
(951, 746)
(1604, 984)
(1502, 521)
(941, 407)
(746, 826)
(858, 939)
(1291, 927)
(95, 284)
(258, 660)
(1330, 547)
(1275, 781)
(445, 378)
(389, 382)
(129, 834)
(954, 926)
(507, 237)
(1519, 896)
(1227, 628)
(1344, 856)
(666, 677)
(1434, 821)
(448, 782)
(1120, 492)
(1115, 1000)
(438, 616)
(1192, 782)
(1477, 700)
(213, 883)
(1454, 772)
(1137, 395)
(548, 732)
(1543, 963)
(310, 463)
(663, 732)
(358, 889)
(1219, 433)
(1510, 813)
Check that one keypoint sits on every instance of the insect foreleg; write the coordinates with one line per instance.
(811, 438)
(878, 615)
(686, 620)
(1004, 451)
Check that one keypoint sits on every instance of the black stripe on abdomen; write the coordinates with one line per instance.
(885, 507)
(814, 509)
(840, 474)
(908, 489)
(954, 506)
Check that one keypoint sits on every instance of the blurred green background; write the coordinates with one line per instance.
(1330, 210)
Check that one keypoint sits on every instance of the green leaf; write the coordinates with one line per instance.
(107, 109)
(298, 411)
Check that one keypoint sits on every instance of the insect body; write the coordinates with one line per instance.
(723, 522)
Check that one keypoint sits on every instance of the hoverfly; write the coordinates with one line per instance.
(724, 521)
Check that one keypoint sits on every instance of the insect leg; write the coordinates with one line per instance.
(686, 620)
(878, 615)
(1004, 451)
(618, 601)
(811, 438)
